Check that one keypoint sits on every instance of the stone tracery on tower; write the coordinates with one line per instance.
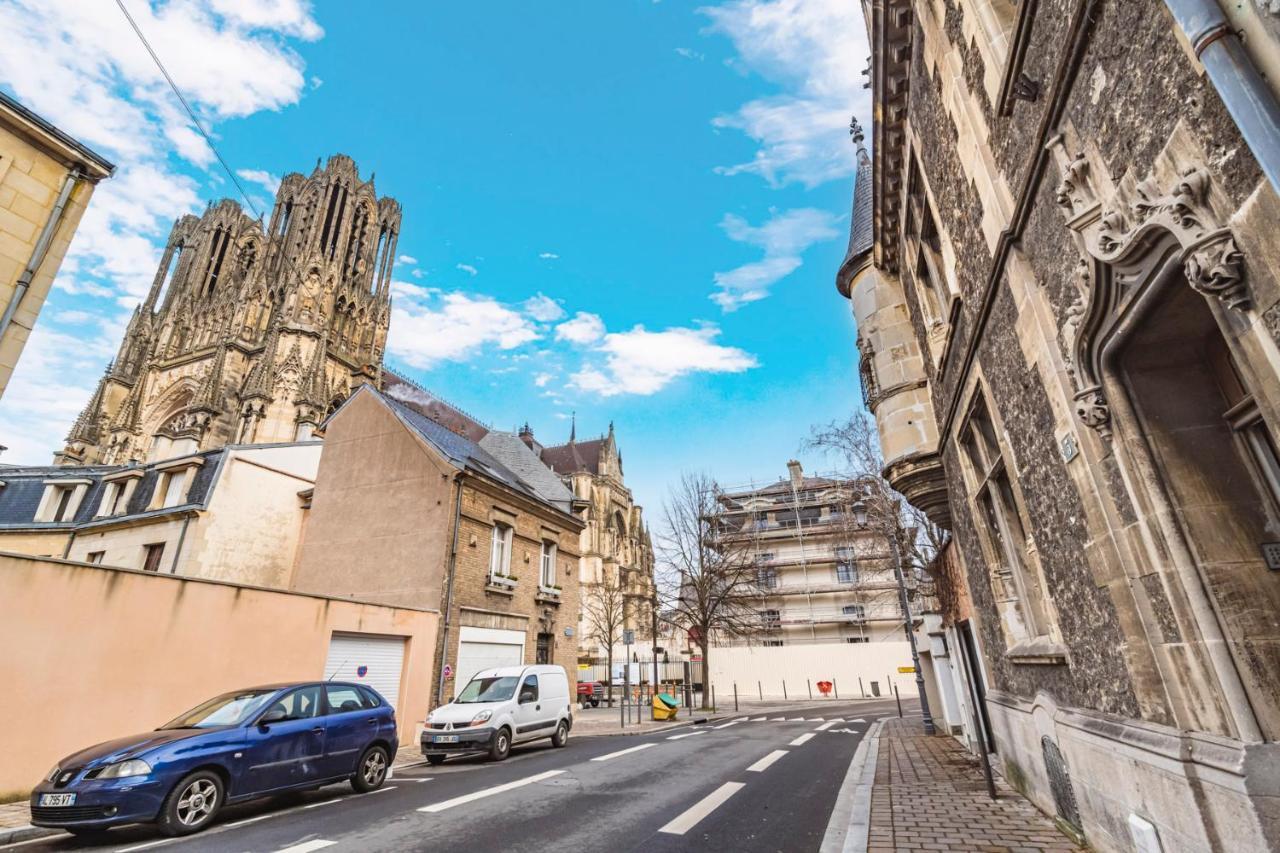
(250, 333)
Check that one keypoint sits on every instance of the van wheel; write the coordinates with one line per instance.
(595, 703)
(561, 737)
(500, 746)
(435, 760)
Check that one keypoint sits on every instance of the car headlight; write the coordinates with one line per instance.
(481, 718)
(53, 774)
(121, 769)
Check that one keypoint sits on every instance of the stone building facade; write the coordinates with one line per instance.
(46, 181)
(615, 543)
(251, 333)
(1065, 270)
(409, 511)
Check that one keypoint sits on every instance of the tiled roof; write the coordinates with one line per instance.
(574, 456)
(422, 401)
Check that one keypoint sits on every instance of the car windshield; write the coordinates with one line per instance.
(229, 709)
(488, 690)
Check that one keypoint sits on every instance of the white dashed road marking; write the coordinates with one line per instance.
(308, 846)
(688, 734)
(825, 726)
(489, 792)
(802, 740)
(726, 725)
(758, 719)
(764, 763)
(690, 818)
(623, 752)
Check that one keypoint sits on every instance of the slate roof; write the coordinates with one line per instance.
(24, 487)
(422, 401)
(574, 456)
(519, 458)
(465, 453)
(861, 221)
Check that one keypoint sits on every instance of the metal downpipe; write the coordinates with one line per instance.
(38, 253)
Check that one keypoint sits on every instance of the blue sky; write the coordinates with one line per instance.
(629, 209)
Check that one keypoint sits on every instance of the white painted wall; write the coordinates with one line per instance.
(843, 663)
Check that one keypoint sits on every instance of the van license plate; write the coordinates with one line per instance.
(57, 799)
(444, 739)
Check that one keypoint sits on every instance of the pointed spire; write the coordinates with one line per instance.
(573, 427)
(85, 428)
(855, 132)
(261, 379)
(209, 396)
(313, 389)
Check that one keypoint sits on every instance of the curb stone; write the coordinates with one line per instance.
(849, 827)
(11, 834)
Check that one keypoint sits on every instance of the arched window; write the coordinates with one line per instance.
(217, 252)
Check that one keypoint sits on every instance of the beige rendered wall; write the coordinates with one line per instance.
(124, 665)
(251, 531)
(126, 547)
(29, 185)
(380, 519)
(843, 663)
(39, 544)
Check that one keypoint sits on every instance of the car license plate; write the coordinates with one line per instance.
(57, 799)
(444, 739)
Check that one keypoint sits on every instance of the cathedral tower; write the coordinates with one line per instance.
(250, 334)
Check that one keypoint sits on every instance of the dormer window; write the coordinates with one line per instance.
(61, 500)
(117, 491)
(173, 485)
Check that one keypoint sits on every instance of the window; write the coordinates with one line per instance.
(370, 698)
(772, 643)
(771, 618)
(530, 686)
(924, 251)
(548, 578)
(857, 611)
(301, 704)
(765, 557)
(844, 553)
(95, 557)
(767, 578)
(500, 553)
(855, 639)
(343, 698)
(64, 501)
(154, 552)
(1002, 528)
(115, 497)
(174, 492)
(544, 649)
(846, 573)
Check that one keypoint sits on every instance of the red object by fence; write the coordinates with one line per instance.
(824, 687)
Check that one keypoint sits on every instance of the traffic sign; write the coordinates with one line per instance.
(906, 669)
(448, 671)
(628, 637)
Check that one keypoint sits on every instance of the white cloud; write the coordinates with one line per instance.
(74, 317)
(643, 362)
(264, 179)
(583, 329)
(544, 309)
(815, 50)
(407, 259)
(784, 237)
(548, 256)
(468, 269)
(542, 379)
(690, 53)
(426, 329)
(81, 66)
(417, 273)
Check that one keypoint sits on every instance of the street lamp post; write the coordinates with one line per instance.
(860, 516)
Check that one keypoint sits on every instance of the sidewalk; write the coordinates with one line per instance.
(930, 794)
(593, 722)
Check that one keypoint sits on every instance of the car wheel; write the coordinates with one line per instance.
(371, 772)
(561, 737)
(500, 745)
(192, 804)
(595, 703)
(435, 760)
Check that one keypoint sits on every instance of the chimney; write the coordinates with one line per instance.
(526, 435)
(797, 473)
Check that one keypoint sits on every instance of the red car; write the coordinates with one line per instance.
(590, 691)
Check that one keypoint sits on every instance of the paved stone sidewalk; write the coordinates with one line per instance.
(930, 794)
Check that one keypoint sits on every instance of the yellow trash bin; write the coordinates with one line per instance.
(664, 706)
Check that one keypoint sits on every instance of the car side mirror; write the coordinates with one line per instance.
(275, 715)
(528, 696)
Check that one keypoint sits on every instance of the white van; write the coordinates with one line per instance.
(499, 707)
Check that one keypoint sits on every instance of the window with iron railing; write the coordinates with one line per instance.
(846, 572)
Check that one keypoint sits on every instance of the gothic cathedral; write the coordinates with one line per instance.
(250, 335)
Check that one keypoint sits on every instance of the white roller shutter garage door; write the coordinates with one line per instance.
(371, 659)
(483, 648)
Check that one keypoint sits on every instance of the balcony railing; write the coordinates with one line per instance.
(870, 613)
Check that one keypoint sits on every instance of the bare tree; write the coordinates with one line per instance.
(856, 445)
(709, 578)
(604, 610)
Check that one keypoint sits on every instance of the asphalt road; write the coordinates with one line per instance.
(750, 785)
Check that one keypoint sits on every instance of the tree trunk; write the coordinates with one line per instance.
(706, 677)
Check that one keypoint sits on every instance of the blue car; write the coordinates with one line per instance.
(235, 747)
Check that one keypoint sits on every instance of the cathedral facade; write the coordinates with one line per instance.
(250, 334)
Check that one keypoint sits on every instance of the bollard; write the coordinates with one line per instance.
(760, 690)
(713, 697)
(861, 689)
(809, 683)
(835, 687)
(735, 697)
(784, 689)
(898, 699)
